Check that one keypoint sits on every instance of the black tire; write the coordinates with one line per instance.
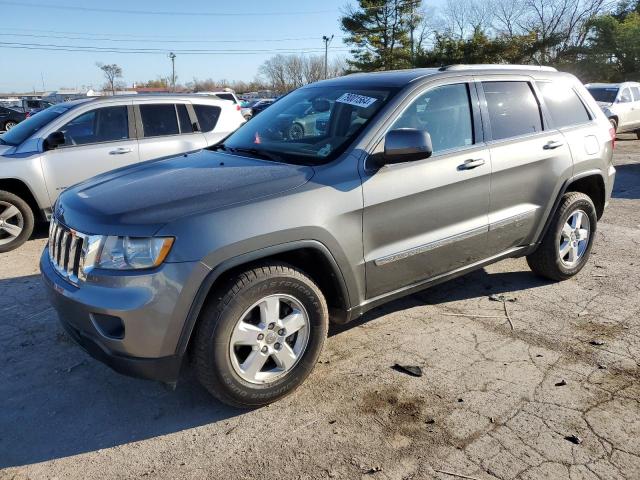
(25, 220)
(545, 260)
(638, 134)
(211, 355)
(9, 124)
(614, 124)
(296, 131)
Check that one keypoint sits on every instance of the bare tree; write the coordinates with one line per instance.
(111, 73)
(508, 16)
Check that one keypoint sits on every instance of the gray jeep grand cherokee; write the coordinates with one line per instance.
(238, 256)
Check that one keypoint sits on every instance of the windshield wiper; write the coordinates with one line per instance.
(256, 153)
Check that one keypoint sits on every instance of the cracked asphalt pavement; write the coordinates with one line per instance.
(557, 397)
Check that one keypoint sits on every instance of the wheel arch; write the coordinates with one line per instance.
(22, 190)
(591, 183)
(310, 256)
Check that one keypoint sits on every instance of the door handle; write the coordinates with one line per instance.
(552, 144)
(471, 163)
(120, 151)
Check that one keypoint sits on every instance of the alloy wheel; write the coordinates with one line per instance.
(574, 238)
(11, 222)
(269, 339)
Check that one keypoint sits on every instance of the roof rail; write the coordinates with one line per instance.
(496, 66)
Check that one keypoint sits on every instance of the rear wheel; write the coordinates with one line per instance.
(261, 336)
(16, 221)
(566, 246)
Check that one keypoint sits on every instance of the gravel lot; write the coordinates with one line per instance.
(557, 397)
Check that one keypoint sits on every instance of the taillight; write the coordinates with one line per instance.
(238, 107)
(612, 134)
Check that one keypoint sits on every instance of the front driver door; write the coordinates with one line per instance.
(96, 141)
(428, 217)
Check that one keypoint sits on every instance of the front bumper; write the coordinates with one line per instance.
(152, 307)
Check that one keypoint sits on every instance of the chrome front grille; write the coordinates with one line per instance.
(66, 250)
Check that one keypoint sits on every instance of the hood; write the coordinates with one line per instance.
(6, 149)
(604, 105)
(139, 200)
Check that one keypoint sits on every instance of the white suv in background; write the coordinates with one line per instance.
(73, 141)
(620, 102)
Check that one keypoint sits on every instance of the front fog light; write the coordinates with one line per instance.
(131, 253)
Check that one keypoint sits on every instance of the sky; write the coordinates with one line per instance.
(256, 29)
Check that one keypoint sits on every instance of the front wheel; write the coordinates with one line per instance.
(566, 246)
(16, 221)
(260, 336)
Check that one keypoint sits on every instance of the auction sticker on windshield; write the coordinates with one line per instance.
(357, 100)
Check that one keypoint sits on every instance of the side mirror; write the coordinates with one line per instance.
(54, 140)
(406, 145)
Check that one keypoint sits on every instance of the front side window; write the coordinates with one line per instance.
(563, 104)
(636, 94)
(312, 125)
(207, 116)
(444, 112)
(159, 120)
(513, 109)
(625, 96)
(108, 124)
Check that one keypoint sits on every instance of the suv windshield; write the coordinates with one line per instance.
(31, 125)
(604, 94)
(312, 125)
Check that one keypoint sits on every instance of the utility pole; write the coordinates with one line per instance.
(327, 41)
(172, 56)
(411, 29)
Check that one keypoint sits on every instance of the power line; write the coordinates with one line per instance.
(153, 39)
(158, 12)
(176, 12)
(74, 48)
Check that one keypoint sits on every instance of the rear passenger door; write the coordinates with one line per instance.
(167, 128)
(528, 161)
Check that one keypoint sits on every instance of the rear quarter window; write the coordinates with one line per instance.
(513, 109)
(563, 104)
(208, 116)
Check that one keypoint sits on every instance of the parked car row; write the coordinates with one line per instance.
(72, 141)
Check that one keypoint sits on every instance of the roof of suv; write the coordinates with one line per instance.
(612, 85)
(146, 96)
(399, 78)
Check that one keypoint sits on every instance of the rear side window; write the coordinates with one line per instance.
(563, 104)
(107, 124)
(513, 109)
(207, 116)
(159, 120)
(226, 96)
(636, 93)
(183, 117)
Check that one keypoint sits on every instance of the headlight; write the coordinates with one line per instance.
(132, 253)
